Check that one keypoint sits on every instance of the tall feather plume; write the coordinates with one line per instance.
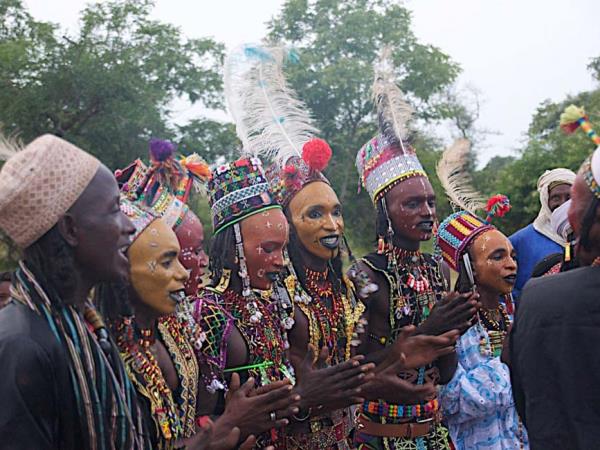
(452, 170)
(9, 145)
(393, 111)
(270, 121)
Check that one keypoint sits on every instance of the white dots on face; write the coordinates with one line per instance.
(152, 266)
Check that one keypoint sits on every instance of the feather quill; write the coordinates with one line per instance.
(270, 120)
(9, 145)
(393, 111)
(452, 170)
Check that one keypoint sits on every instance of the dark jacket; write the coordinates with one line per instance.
(556, 360)
(37, 404)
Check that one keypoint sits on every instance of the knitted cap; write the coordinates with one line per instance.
(455, 233)
(238, 190)
(381, 165)
(39, 184)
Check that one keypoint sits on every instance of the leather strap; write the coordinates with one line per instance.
(401, 430)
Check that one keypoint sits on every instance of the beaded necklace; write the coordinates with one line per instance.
(331, 315)
(416, 286)
(173, 414)
(492, 330)
(263, 324)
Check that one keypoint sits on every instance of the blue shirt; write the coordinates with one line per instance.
(531, 247)
(478, 403)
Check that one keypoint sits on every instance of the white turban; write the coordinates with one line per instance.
(550, 178)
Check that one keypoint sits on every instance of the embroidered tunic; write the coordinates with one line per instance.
(478, 402)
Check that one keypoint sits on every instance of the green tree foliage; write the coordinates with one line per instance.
(547, 147)
(107, 88)
(338, 41)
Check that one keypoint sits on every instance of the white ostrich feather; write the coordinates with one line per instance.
(452, 170)
(393, 110)
(9, 145)
(270, 121)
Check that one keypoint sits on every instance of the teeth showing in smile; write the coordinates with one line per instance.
(330, 241)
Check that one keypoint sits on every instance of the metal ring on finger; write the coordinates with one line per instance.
(273, 416)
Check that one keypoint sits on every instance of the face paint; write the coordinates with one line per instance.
(317, 217)
(558, 195)
(264, 236)
(493, 262)
(156, 273)
(190, 235)
(411, 209)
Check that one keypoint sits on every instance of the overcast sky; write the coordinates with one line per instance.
(516, 53)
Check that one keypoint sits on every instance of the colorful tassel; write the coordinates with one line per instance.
(575, 117)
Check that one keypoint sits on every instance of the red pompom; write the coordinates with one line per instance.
(497, 206)
(316, 153)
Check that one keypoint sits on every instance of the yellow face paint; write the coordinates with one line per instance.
(317, 218)
(156, 273)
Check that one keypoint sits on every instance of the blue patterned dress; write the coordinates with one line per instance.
(478, 403)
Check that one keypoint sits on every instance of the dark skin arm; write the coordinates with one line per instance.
(403, 354)
(321, 386)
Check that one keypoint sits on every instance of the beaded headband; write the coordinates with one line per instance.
(298, 172)
(591, 172)
(382, 165)
(139, 216)
(238, 190)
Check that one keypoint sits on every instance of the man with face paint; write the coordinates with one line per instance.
(64, 385)
(157, 346)
(412, 289)
(325, 307)
(477, 403)
(251, 232)
(538, 239)
(165, 186)
(553, 344)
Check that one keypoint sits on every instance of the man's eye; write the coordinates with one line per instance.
(166, 264)
(314, 214)
(412, 205)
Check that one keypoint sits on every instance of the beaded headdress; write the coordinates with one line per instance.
(140, 217)
(166, 184)
(458, 230)
(270, 120)
(237, 190)
(387, 159)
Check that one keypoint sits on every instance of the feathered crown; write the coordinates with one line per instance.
(271, 121)
(458, 230)
(388, 159)
(166, 184)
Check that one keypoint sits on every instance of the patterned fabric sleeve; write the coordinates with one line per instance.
(216, 324)
(480, 386)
